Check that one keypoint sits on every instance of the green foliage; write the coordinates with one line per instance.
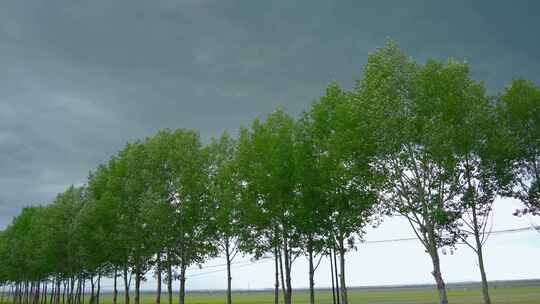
(516, 147)
(406, 109)
(265, 160)
(347, 185)
(224, 188)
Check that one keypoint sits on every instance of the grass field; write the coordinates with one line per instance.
(500, 295)
(508, 294)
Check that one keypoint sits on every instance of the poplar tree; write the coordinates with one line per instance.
(266, 168)
(517, 146)
(349, 185)
(225, 200)
(398, 101)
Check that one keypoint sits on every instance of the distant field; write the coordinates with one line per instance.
(463, 295)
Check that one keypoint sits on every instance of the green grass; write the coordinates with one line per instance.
(501, 295)
(528, 294)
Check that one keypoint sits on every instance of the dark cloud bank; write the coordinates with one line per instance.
(80, 78)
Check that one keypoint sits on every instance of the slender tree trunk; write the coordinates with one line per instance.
(92, 290)
(78, 292)
(311, 274)
(344, 296)
(137, 287)
(48, 294)
(71, 289)
(38, 291)
(182, 292)
(332, 276)
(10, 292)
(52, 293)
(83, 289)
(45, 291)
(338, 297)
(126, 286)
(15, 293)
(30, 294)
(4, 294)
(20, 293)
(441, 288)
(115, 285)
(288, 263)
(435, 259)
(485, 288)
(169, 278)
(158, 274)
(479, 253)
(276, 272)
(98, 293)
(26, 291)
(57, 297)
(229, 277)
(33, 292)
(282, 274)
(64, 292)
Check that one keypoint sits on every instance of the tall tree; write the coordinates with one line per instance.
(461, 120)
(517, 157)
(102, 213)
(312, 209)
(137, 232)
(349, 185)
(397, 100)
(224, 189)
(182, 165)
(266, 168)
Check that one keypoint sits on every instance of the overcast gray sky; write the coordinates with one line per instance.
(80, 78)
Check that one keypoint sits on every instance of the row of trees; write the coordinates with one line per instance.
(422, 141)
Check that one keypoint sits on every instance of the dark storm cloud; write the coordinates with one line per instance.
(80, 78)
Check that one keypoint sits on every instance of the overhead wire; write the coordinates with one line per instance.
(265, 259)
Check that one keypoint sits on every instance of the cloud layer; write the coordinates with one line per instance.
(80, 78)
